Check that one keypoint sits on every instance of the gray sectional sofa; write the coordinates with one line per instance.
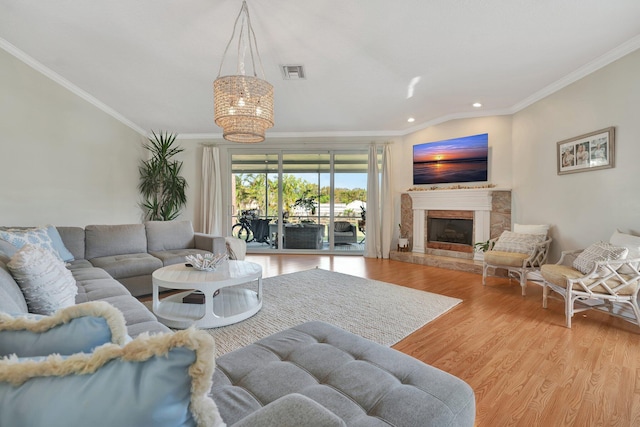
(325, 376)
(130, 253)
(94, 284)
(314, 374)
(114, 263)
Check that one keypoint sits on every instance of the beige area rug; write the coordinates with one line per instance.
(382, 312)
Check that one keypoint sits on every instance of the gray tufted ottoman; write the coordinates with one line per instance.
(316, 374)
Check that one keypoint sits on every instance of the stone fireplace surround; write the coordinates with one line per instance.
(491, 210)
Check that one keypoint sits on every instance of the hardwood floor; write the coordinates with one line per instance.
(526, 368)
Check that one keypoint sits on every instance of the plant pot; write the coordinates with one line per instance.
(403, 243)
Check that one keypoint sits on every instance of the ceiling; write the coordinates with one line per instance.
(151, 63)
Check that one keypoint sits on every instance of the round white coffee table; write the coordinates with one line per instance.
(231, 305)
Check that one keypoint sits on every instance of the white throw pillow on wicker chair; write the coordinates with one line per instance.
(630, 242)
(510, 241)
(531, 229)
(600, 251)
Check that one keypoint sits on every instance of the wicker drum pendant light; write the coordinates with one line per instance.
(243, 105)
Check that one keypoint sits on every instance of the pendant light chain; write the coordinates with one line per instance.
(253, 42)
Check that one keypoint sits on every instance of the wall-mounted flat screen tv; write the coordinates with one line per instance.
(453, 160)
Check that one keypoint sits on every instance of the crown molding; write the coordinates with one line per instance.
(22, 56)
(600, 62)
(456, 116)
(591, 67)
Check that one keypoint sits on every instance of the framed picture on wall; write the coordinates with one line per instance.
(588, 152)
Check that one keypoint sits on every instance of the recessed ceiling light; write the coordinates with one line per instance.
(477, 104)
(411, 120)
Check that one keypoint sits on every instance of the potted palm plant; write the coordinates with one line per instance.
(162, 187)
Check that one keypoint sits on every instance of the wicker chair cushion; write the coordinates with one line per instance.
(507, 259)
(558, 275)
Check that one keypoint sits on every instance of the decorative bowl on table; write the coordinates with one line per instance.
(207, 262)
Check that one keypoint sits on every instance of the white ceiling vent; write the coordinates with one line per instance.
(293, 72)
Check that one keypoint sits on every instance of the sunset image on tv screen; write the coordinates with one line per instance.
(453, 160)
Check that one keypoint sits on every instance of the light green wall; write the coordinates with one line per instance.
(64, 161)
(583, 207)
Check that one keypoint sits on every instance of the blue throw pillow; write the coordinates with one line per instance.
(76, 329)
(7, 249)
(160, 381)
(57, 244)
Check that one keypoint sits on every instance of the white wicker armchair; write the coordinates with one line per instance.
(604, 288)
(516, 263)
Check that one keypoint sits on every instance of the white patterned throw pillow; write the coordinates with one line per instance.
(600, 251)
(630, 242)
(46, 283)
(29, 236)
(518, 242)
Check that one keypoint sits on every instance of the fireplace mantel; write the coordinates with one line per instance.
(478, 200)
(464, 199)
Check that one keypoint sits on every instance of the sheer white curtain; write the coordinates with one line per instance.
(211, 197)
(386, 201)
(379, 204)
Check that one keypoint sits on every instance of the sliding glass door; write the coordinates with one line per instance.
(300, 201)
